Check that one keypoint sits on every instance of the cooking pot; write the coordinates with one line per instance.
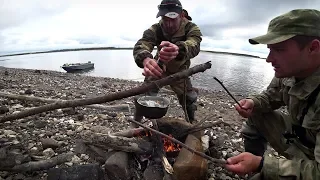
(152, 107)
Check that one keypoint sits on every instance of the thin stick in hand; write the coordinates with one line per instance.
(228, 92)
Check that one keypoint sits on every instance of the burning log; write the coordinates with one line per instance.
(109, 97)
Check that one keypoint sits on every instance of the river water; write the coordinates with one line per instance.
(240, 74)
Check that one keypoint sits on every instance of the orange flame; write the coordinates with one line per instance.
(170, 146)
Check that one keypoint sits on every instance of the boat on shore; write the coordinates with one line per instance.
(74, 67)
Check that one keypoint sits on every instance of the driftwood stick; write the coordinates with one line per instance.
(110, 97)
(214, 160)
(105, 141)
(117, 107)
(41, 165)
(201, 122)
(196, 129)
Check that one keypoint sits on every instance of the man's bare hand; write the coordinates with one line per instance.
(168, 52)
(243, 163)
(246, 107)
(151, 68)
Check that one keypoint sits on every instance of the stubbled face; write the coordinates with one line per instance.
(171, 26)
(288, 59)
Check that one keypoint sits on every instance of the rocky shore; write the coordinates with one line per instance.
(49, 134)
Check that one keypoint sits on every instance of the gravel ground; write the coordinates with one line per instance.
(51, 133)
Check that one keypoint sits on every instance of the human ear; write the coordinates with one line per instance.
(314, 46)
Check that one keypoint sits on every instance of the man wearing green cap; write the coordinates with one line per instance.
(177, 40)
(294, 42)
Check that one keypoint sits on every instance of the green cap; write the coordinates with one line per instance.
(296, 22)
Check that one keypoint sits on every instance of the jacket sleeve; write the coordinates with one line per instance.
(144, 46)
(270, 99)
(191, 47)
(298, 169)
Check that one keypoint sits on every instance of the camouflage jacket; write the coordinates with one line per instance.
(287, 92)
(187, 38)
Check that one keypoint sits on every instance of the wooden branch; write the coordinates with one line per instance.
(110, 97)
(105, 141)
(214, 160)
(41, 165)
(117, 107)
(202, 121)
(129, 133)
(199, 128)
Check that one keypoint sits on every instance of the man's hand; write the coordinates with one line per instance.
(243, 163)
(246, 107)
(151, 68)
(168, 51)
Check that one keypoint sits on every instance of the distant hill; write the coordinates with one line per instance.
(113, 48)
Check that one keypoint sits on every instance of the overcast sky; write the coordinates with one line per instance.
(29, 25)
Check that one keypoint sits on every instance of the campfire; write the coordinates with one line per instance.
(168, 145)
(141, 154)
(165, 148)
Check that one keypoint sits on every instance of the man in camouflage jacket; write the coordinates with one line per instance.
(177, 40)
(294, 42)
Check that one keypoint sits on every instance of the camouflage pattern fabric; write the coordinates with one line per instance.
(301, 162)
(188, 39)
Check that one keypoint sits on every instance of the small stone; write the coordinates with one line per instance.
(17, 106)
(84, 157)
(29, 91)
(15, 142)
(59, 111)
(70, 132)
(75, 160)
(3, 109)
(79, 129)
(9, 132)
(68, 164)
(49, 133)
(40, 124)
(80, 117)
(71, 121)
(102, 116)
(48, 153)
(112, 114)
(34, 150)
(49, 143)
(31, 145)
(224, 153)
